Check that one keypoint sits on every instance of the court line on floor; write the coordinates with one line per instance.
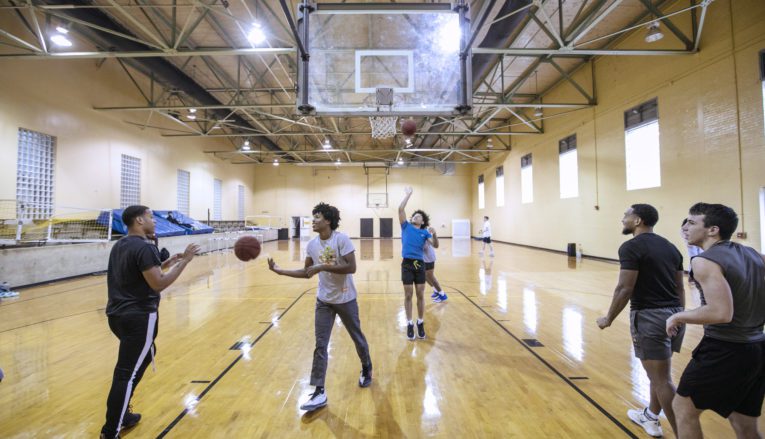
(552, 368)
(229, 367)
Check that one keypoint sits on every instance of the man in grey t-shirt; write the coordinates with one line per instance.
(332, 256)
(727, 371)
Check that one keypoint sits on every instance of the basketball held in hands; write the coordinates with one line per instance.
(247, 248)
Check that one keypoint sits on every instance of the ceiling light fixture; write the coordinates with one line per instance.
(490, 143)
(400, 161)
(256, 35)
(192, 110)
(191, 116)
(654, 33)
(276, 162)
(59, 38)
(538, 112)
(326, 144)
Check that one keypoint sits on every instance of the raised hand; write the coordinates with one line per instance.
(408, 190)
(190, 252)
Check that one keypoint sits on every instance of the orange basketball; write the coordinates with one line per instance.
(247, 248)
(408, 127)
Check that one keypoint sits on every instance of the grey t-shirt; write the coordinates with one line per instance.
(744, 271)
(333, 287)
(428, 253)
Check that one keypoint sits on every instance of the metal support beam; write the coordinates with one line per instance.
(153, 54)
(572, 81)
(667, 22)
(580, 53)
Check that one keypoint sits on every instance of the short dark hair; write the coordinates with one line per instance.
(330, 213)
(718, 215)
(425, 218)
(685, 221)
(486, 217)
(647, 213)
(131, 213)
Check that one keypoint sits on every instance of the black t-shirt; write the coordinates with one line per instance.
(129, 293)
(657, 262)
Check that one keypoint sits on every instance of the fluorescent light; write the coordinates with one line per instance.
(60, 40)
(246, 143)
(400, 161)
(190, 117)
(256, 35)
(62, 30)
(276, 162)
(326, 144)
(246, 147)
(192, 110)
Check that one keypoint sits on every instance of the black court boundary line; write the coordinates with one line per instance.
(553, 369)
(228, 368)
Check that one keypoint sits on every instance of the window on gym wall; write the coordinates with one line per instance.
(641, 144)
(480, 192)
(217, 200)
(500, 172)
(34, 175)
(130, 181)
(184, 183)
(527, 180)
(240, 198)
(569, 167)
(762, 78)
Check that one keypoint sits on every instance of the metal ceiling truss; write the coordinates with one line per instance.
(266, 97)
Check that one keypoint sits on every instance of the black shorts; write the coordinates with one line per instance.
(430, 266)
(726, 377)
(412, 271)
(487, 240)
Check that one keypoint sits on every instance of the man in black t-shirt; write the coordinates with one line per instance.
(135, 279)
(651, 279)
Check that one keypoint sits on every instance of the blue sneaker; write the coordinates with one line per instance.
(440, 298)
(434, 295)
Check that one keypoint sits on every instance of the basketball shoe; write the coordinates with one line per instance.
(410, 331)
(318, 400)
(440, 298)
(420, 329)
(130, 419)
(645, 420)
(366, 376)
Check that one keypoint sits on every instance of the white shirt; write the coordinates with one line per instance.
(333, 287)
(486, 229)
(428, 253)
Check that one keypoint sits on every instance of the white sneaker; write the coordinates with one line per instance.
(642, 419)
(317, 400)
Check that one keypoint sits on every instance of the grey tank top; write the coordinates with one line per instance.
(744, 270)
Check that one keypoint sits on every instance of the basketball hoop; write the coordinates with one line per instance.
(383, 127)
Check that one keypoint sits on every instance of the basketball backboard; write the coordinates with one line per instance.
(357, 49)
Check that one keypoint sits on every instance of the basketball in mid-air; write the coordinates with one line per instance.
(408, 127)
(247, 248)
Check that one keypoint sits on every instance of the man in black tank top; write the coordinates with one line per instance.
(727, 371)
(651, 280)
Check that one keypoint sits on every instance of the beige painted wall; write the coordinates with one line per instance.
(288, 191)
(711, 131)
(56, 98)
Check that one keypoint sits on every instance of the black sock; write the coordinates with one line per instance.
(319, 389)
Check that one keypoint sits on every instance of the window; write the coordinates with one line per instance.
(130, 181)
(641, 135)
(184, 183)
(34, 175)
(480, 192)
(241, 202)
(762, 78)
(217, 199)
(500, 186)
(569, 171)
(527, 180)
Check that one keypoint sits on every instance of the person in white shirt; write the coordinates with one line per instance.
(332, 256)
(486, 234)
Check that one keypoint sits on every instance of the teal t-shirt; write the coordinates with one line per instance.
(412, 240)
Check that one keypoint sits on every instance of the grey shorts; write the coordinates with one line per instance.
(649, 333)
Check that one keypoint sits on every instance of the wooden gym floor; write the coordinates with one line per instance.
(235, 347)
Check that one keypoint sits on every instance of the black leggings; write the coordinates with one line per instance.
(136, 333)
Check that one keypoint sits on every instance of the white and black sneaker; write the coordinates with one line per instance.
(420, 329)
(366, 376)
(645, 420)
(318, 400)
(410, 331)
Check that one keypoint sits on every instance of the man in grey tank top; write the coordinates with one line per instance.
(727, 371)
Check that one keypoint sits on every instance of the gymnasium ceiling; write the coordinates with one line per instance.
(179, 55)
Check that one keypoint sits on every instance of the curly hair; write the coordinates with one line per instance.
(425, 218)
(330, 213)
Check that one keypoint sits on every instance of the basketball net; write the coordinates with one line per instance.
(383, 127)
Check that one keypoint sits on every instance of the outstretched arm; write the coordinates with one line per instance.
(401, 212)
(622, 295)
(299, 273)
(159, 280)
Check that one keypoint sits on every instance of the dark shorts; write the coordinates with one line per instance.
(487, 240)
(430, 266)
(726, 377)
(412, 271)
(648, 328)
